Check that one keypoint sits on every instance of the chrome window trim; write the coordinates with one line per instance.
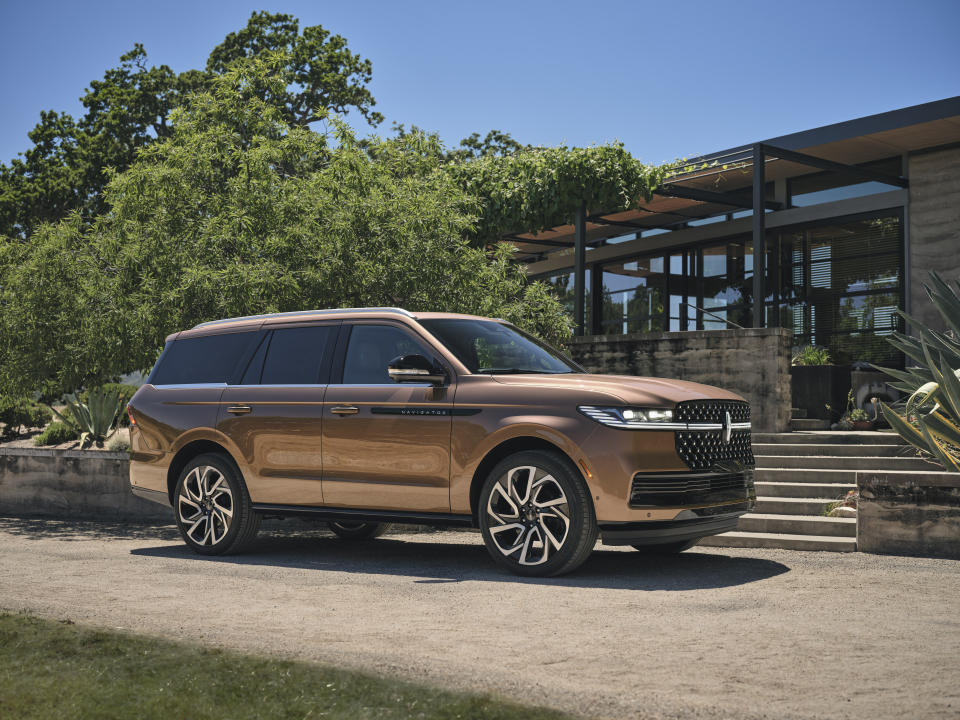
(191, 386)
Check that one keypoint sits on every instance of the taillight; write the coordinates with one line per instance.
(133, 420)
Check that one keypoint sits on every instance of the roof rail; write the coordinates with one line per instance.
(295, 313)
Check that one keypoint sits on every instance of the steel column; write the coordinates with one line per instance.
(579, 269)
(759, 235)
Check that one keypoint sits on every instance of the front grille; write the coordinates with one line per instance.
(690, 488)
(711, 411)
(706, 449)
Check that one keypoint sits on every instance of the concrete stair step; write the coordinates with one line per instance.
(830, 437)
(798, 525)
(804, 475)
(808, 424)
(784, 541)
(793, 506)
(811, 450)
(835, 462)
(798, 413)
(808, 490)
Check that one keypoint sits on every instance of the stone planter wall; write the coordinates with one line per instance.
(754, 363)
(909, 513)
(75, 484)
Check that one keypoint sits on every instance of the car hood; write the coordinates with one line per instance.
(629, 389)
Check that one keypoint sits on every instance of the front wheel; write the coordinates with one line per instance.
(358, 530)
(536, 515)
(213, 508)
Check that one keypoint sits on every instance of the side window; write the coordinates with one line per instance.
(206, 359)
(371, 347)
(296, 355)
(251, 376)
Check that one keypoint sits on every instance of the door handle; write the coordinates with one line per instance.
(345, 410)
(239, 409)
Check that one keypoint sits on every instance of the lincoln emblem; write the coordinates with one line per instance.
(727, 429)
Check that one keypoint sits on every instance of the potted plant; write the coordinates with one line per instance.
(815, 383)
(853, 418)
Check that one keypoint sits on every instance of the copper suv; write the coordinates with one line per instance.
(378, 415)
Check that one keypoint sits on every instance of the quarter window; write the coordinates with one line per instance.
(206, 359)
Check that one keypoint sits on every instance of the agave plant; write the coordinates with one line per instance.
(95, 419)
(931, 417)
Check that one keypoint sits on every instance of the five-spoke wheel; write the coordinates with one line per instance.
(536, 516)
(212, 506)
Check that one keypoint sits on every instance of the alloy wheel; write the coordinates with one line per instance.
(205, 505)
(528, 515)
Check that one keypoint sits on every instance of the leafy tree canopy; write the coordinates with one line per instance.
(68, 166)
(237, 212)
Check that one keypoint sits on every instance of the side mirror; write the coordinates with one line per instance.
(415, 369)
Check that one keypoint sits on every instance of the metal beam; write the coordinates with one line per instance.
(579, 267)
(759, 234)
(851, 170)
(731, 199)
(549, 243)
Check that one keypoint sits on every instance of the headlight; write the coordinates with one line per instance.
(633, 418)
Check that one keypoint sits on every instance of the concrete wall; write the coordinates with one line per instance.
(934, 226)
(752, 363)
(909, 513)
(72, 484)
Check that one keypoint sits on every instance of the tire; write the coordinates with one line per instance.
(536, 515)
(358, 530)
(667, 548)
(213, 508)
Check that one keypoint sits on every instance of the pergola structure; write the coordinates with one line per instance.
(748, 178)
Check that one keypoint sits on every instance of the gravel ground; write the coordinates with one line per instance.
(712, 633)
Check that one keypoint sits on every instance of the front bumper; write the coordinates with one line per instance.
(690, 524)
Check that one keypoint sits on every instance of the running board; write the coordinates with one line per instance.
(397, 516)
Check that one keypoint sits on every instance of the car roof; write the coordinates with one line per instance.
(255, 321)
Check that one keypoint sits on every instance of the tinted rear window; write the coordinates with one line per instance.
(207, 359)
(296, 355)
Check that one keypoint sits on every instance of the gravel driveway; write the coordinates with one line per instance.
(711, 633)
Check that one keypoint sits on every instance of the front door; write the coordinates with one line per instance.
(275, 414)
(385, 445)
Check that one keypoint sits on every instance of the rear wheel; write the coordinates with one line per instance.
(666, 548)
(213, 508)
(536, 515)
(358, 530)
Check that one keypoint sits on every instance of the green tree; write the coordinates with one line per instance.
(70, 161)
(236, 212)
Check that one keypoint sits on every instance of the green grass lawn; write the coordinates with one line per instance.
(51, 669)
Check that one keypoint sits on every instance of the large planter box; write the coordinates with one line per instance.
(813, 387)
(74, 484)
(909, 513)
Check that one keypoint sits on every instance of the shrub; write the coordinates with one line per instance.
(20, 413)
(124, 391)
(811, 355)
(56, 433)
(930, 420)
(118, 443)
(95, 419)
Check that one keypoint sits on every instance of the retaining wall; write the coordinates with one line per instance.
(76, 484)
(909, 513)
(754, 363)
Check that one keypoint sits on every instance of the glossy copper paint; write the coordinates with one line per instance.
(407, 447)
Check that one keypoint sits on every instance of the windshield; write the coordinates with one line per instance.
(485, 346)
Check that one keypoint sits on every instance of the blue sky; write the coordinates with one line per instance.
(669, 79)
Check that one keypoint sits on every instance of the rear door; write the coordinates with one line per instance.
(274, 413)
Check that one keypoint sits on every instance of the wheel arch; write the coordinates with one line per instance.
(503, 450)
(188, 452)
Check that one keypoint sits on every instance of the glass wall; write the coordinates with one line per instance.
(562, 285)
(837, 285)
